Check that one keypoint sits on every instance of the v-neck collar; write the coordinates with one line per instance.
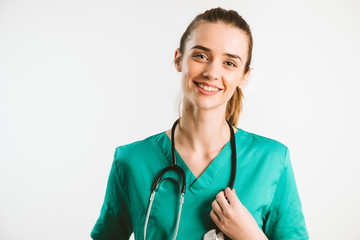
(200, 184)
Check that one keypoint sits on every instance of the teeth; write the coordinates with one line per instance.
(210, 89)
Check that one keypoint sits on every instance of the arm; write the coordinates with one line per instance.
(114, 221)
(286, 219)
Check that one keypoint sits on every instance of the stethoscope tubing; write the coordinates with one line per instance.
(178, 169)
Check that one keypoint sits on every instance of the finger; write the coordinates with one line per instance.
(231, 195)
(220, 198)
(216, 207)
(215, 217)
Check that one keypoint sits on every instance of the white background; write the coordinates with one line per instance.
(78, 78)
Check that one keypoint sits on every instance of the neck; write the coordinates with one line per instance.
(202, 130)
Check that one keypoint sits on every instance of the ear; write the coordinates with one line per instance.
(177, 60)
(244, 79)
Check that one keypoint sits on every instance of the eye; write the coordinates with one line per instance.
(230, 64)
(200, 56)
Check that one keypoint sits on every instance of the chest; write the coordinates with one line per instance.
(195, 219)
(197, 162)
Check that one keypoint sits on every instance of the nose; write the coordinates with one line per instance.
(212, 71)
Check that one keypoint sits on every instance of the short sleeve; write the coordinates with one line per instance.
(286, 219)
(114, 221)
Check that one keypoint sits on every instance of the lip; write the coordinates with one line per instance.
(207, 84)
(203, 91)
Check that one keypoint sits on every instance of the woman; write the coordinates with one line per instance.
(214, 61)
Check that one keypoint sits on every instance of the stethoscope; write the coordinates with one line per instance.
(214, 233)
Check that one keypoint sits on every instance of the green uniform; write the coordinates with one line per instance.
(264, 183)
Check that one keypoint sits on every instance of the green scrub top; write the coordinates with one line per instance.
(264, 183)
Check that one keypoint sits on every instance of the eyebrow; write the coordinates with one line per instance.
(208, 50)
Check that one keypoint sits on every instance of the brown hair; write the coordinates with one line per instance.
(231, 17)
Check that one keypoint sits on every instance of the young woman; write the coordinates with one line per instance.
(260, 202)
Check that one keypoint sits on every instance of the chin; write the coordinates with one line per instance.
(207, 105)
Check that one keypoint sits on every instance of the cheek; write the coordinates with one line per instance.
(235, 78)
(194, 69)
(190, 72)
(186, 83)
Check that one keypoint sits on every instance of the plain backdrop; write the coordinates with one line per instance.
(79, 78)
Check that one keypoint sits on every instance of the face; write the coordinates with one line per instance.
(212, 65)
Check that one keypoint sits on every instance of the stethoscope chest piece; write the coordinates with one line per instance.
(212, 235)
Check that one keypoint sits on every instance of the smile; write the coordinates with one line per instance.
(207, 88)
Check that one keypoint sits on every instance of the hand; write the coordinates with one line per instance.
(233, 219)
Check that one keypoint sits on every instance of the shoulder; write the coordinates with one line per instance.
(265, 150)
(138, 147)
(139, 158)
(262, 143)
(133, 153)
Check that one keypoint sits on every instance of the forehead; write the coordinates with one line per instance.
(219, 37)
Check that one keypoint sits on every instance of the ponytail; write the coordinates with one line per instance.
(234, 107)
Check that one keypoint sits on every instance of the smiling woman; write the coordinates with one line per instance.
(214, 59)
(211, 64)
